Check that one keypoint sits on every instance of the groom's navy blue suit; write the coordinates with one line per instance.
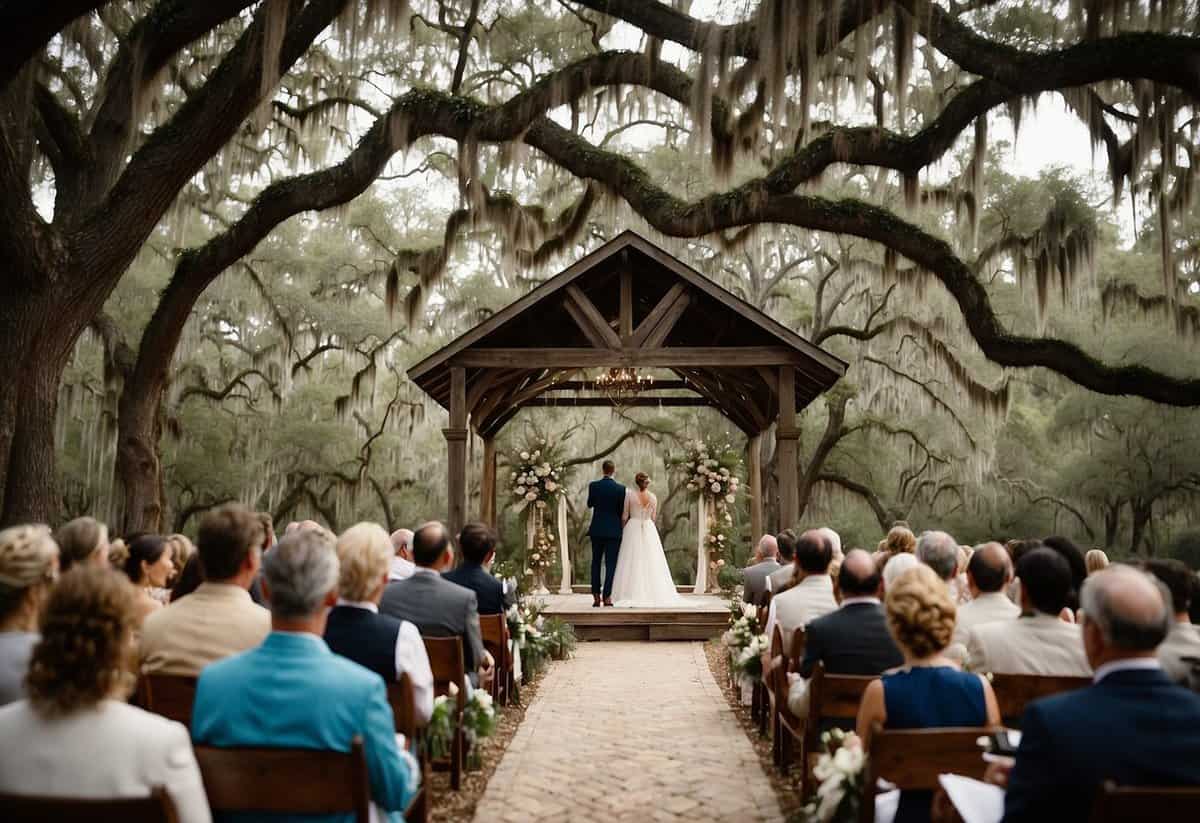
(606, 499)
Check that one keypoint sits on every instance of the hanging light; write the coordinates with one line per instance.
(621, 383)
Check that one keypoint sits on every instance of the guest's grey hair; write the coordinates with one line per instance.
(835, 541)
(938, 551)
(897, 565)
(768, 546)
(300, 572)
(402, 540)
(1122, 601)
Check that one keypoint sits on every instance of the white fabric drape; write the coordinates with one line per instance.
(565, 588)
(530, 526)
(701, 549)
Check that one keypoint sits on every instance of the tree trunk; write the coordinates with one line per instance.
(1112, 521)
(1141, 518)
(139, 432)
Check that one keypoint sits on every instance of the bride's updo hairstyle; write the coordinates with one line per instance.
(643, 480)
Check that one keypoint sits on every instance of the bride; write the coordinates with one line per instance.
(643, 579)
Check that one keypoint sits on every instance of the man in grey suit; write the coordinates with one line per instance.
(784, 577)
(437, 607)
(754, 577)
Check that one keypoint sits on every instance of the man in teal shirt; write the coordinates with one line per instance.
(293, 692)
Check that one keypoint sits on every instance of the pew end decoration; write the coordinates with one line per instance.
(746, 644)
(840, 771)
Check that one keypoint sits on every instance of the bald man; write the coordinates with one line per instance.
(1133, 726)
(754, 576)
(402, 566)
(988, 574)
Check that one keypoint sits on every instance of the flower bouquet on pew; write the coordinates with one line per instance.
(479, 721)
(839, 771)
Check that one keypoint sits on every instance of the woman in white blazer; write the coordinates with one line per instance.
(77, 736)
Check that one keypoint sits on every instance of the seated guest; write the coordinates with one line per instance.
(28, 568)
(852, 640)
(939, 551)
(436, 606)
(477, 543)
(218, 619)
(268, 524)
(78, 737)
(1016, 550)
(182, 550)
(1074, 557)
(1132, 726)
(812, 596)
(835, 543)
(754, 576)
(783, 578)
(900, 540)
(402, 564)
(148, 566)
(191, 577)
(897, 565)
(1179, 653)
(1095, 560)
(303, 695)
(989, 571)
(930, 691)
(1037, 642)
(355, 628)
(82, 540)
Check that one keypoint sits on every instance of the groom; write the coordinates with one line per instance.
(606, 498)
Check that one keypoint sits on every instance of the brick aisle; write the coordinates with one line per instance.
(629, 732)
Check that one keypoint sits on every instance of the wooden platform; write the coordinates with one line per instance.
(700, 618)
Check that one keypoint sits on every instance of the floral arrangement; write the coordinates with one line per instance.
(748, 663)
(711, 471)
(839, 771)
(537, 474)
(478, 722)
(539, 639)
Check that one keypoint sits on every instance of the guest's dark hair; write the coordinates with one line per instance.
(608, 467)
(1177, 577)
(1075, 560)
(227, 536)
(189, 579)
(855, 585)
(429, 543)
(1019, 547)
(814, 552)
(1046, 579)
(642, 479)
(786, 540)
(146, 548)
(477, 541)
(988, 575)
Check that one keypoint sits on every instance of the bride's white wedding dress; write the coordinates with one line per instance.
(643, 578)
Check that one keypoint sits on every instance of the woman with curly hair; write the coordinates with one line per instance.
(78, 735)
(28, 568)
(899, 540)
(930, 690)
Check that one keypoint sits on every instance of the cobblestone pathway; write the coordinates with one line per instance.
(629, 732)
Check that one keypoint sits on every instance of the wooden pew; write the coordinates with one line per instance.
(777, 690)
(157, 808)
(913, 759)
(293, 781)
(167, 694)
(404, 714)
(446, 661)
(1016, 691)
(830, 697)
(1149, 804)
(494, 628)
(758, 699)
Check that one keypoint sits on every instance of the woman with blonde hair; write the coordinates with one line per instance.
(78, 735)
(181, 550)
(82, 540)
(1095, 560)
(28, 568)
(929, 691)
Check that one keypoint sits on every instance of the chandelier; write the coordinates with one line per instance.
(621, 383)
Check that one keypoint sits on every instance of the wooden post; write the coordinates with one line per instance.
(456, 452)
(487, 483)
(788, 450)
(625, 315)
(755, 481)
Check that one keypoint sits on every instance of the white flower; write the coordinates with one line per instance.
(524, 455)
(724, 472)
(529, 572)
(720, 564)
(535, 556)
(729, 498)
(691, 487)
(552, 486)
(716, 487)
(520, 490)
(536, 455)
(482, 699)
(531, 496)
(541, 504)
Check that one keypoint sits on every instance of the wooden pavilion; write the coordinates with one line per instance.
(628, 304)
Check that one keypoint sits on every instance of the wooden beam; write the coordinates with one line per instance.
(590, 385)
(788, 449)
(755, 481)
(456, 452)
(625, 318)
(593, 335)
(487, 483)
(667, 324)
(600, 330)
(602, 402)
(676, 292)
(585, 358)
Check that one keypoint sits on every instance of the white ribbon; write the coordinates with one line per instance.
(565, 588)
(701, 549)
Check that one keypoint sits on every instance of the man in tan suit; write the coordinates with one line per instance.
(988, 573)
(218, 619)
(812, 596)
(1037, 642)
(1179, 654)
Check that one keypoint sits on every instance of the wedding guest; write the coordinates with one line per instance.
(754, 576)
(436, 606)
(854, 639)
(1179, 653)
(78, 737)
(899, 540)
(1095, 560)
(939, 551)
(930, 691)
(1037, 642)
(835, 542)
(82, 540)
(783, 578)
(897, 565)
(190, 579)
(1132, 726)
(148, 566)
(355, 628)
(28, 568)
(304, 695)
(959, 586)
(812, 596)
(268, 525)
(477, 542)
(402, 565)
(1074, 557)
(1016, 550)
(989, 571)
(218, 619)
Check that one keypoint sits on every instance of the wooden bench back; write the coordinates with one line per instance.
(292, 781)
(170, 695)
(913, 759)
(1115, 804)
(1016, 691)
(446, 661)
(157, 808)
(831, 697)
(494, 630)
(404, 710)
(799, 643)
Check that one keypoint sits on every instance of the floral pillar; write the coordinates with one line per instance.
(712, 478)
(536, 484)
